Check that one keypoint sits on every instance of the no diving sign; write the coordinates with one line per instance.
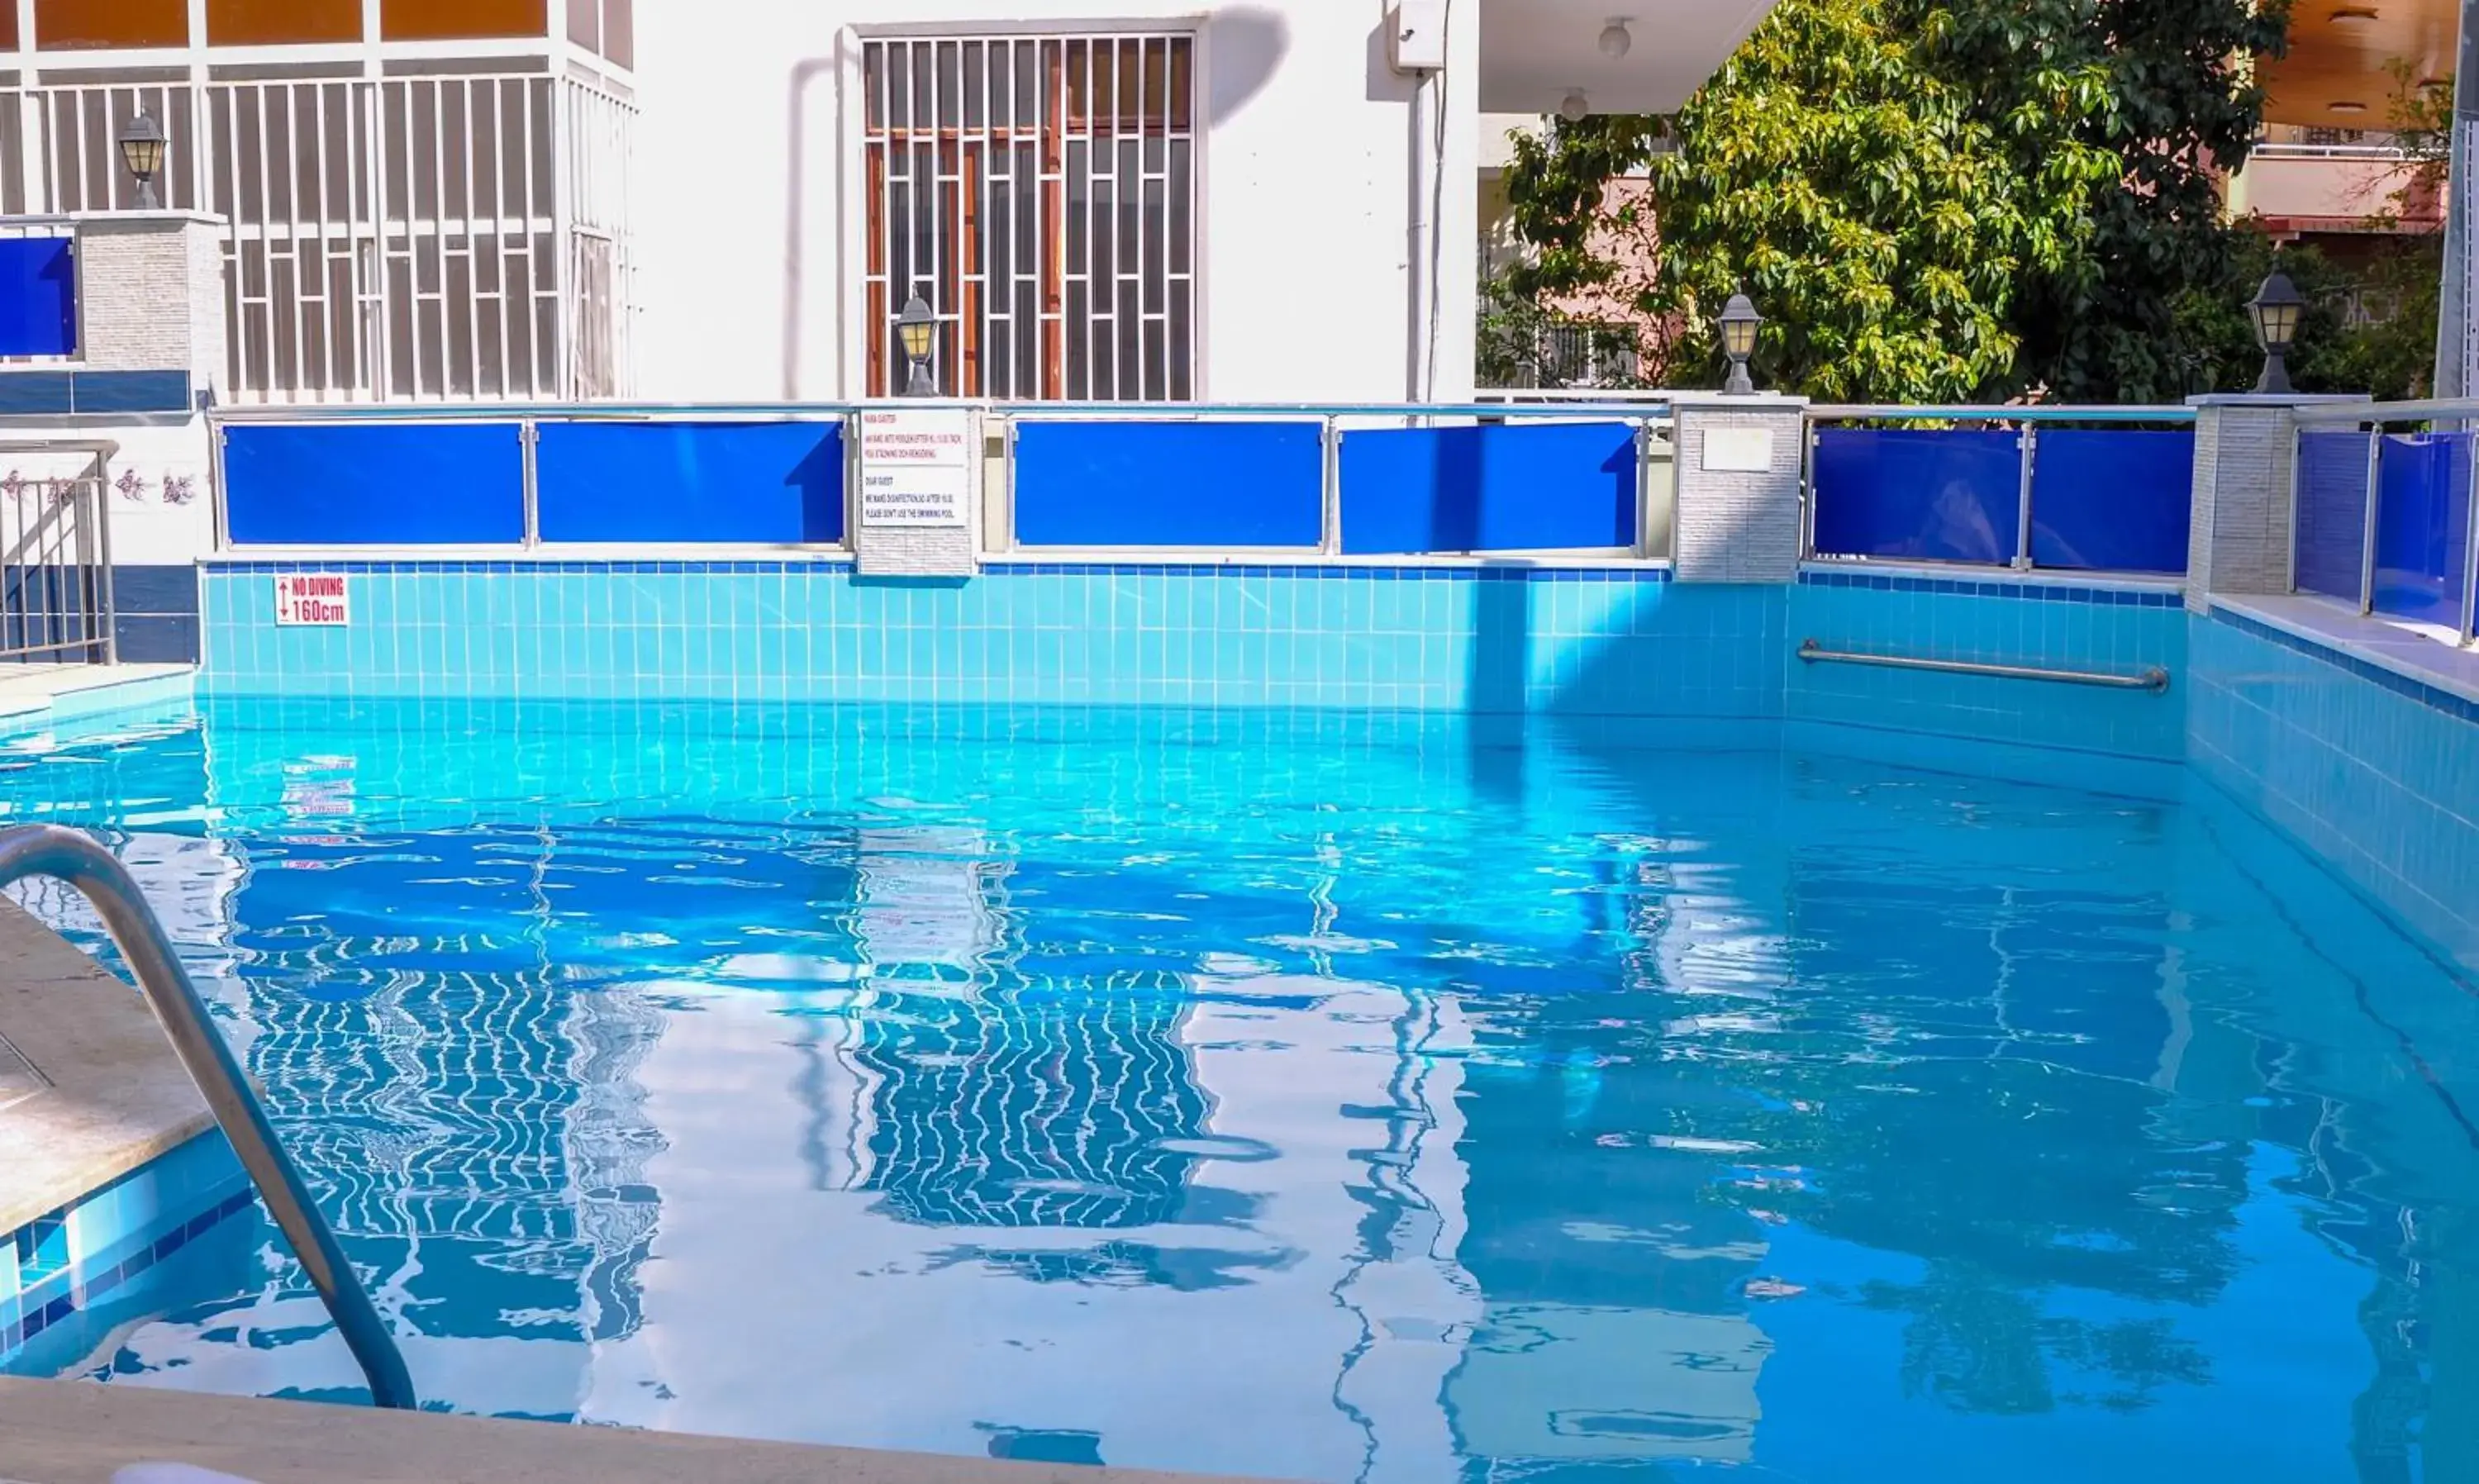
(321, 598)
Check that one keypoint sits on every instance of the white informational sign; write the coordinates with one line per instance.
(1739, 450)
(916, 467)
(321, 598)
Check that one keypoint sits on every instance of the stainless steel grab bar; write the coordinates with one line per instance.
(2154, 680)
(48, 850)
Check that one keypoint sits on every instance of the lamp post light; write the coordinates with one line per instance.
(2275, 308)
(1739, 322)
(141, 150)
(916, 325)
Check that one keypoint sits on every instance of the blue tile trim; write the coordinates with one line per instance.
(2435, 698)
(530, 566)
(68, 393)
(1332, 570)
(93, 1286)
(1969, 587)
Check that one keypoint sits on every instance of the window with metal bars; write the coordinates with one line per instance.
(1038, 195)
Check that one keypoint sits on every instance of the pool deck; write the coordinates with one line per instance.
(89, 1088)
(35, 697)
(72, 1432)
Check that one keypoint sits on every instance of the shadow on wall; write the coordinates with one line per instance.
(1246, 45)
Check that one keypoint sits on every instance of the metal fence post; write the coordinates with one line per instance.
(1007, 485)
(1643, 489)
(2367, 522)
(1330, 442)
(528, 441)
(107, 616)
(2028, 443)
(851, 480)
(2471, 546)
(1809, 436)
(2290, 547)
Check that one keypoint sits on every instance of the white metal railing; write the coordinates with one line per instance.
(2376, 153)
(56, 554)
(2452, 416)
(420, 238)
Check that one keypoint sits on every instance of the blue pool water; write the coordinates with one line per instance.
(1340, 1100)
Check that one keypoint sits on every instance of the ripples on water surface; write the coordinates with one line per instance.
(1342, 1106)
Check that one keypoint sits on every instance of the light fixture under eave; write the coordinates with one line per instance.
(2353, 15)
(1616, 39)
(2346, 107)
(1574, 108)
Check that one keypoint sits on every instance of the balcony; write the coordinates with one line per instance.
(1534, 53)
(2313, 182)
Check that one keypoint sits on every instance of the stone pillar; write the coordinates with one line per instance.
(2239, 535)
(1739, 467)
(151, 293)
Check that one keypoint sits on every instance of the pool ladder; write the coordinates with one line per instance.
(48, 850)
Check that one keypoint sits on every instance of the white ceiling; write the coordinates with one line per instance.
(1534, 52)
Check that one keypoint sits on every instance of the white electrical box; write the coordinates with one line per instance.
(1416, 35)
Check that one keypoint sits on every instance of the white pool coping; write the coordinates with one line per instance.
(2415, 652)
(33, 698)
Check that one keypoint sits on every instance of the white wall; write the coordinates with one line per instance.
(740, 193)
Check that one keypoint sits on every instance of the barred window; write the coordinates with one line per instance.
(1038, 195)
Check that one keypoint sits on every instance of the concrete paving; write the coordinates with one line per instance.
(89, 1088)
(73, 1432)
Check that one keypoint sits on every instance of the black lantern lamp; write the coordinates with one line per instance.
(141, 150)
(1739, 322)
(2275, 308)
(915, 326)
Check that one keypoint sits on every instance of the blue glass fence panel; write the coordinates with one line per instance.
(1492, 488)
(1169, 484)
(2112, 500)
(38, 297)
(759, 483)
(2332, 512)
(375, 484)
(2423, 526)
(1926, 494)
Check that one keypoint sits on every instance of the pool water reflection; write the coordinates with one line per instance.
(1334, 1102)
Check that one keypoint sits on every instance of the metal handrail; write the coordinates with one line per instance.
(48, 850)
(606, 412)
(1979, 412)
(2154, 680)
(2357, 412)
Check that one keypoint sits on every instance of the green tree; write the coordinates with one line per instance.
(1935, 201)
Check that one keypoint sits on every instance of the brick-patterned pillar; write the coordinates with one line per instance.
(151, 293)
(2238, 540)
(1739, 464)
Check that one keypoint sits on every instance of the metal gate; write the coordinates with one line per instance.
(56, 557)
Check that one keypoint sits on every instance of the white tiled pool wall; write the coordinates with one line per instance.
(60, 1266)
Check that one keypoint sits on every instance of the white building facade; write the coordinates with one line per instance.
(1144, 200)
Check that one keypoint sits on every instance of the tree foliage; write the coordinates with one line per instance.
(1937, 200)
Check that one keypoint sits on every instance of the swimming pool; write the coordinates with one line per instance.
(1331, 1097)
